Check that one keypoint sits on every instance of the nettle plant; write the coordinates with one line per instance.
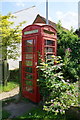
(57, 94)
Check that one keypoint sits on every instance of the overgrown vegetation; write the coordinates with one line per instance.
(58, 95)
(69, 49)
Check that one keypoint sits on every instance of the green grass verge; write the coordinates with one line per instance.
(13, 81)
(38, 113)
(9, 87)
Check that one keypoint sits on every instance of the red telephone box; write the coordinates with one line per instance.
(35, 39)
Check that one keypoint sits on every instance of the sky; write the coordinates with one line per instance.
(64, 10)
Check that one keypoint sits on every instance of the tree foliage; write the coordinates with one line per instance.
(10, 37)
(69, 50)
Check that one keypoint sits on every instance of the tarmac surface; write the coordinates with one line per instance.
(17, 107)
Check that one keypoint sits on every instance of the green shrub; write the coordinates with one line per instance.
(57, 94)
(68, 40)
(69, 69)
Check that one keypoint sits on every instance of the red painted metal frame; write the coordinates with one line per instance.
(38, 38)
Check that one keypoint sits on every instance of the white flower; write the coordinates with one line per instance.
(29, 113)
(52, 100)
(67, 80)
(63, 81)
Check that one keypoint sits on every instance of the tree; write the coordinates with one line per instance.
(69, 50)
(9, 43)
(10, 37)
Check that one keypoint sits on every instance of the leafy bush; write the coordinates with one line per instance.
(69, 69)
(57, 94)
(68, 40)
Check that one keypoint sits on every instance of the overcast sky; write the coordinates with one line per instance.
(64, 10)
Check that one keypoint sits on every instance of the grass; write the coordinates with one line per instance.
(13, 81)
(38, 113)
(9, 87)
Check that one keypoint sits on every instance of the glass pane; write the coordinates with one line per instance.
(28, 76)
(29, 89)
(28, 63)
(29, 56)
(49, 56)
(29, 69)
(29, 83)
(49, 42)
(49, 32)
(48, 49)
(29, 49)
(29, 42)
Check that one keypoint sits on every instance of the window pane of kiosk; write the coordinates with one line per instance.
(29, 42)
(29, 89)
(49, 56)
(29, 69)
(29, 56)
(28, 76)
(28, 63)
(29, 83)
(29, 49)
(48, 49)
(49, 42)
